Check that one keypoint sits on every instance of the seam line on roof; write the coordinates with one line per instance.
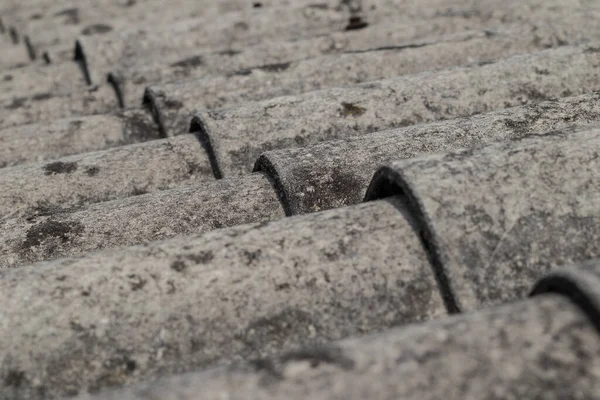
(198, 128)
(116, 82)
(384, 48)
(81, 60)
(266, 167)
(579, 286)
(46, 58)
(14, 34)
(387, 183)
(30, 48)
(150, 104)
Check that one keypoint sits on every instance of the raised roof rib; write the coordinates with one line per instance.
(190, 209)
(89, 178)
(337, 173)
(238, 135)
(242, 292)
(537, 347)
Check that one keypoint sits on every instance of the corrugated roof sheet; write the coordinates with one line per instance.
(299, 199)
(535, 348)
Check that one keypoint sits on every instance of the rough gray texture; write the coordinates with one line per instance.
(337, 173)
(411, 21)
(239, 59)
(87, 178)
(13, 57)
(495, 219)
(57, 54)
(62, 137)
(173, 103)
(39, 79)
(72, 19)
(237, 136)
(51, 11)
(140, 219)
(127, 47)
(247, 76)
(45, 107)
(123, 316)
(62, 12)
(543, 348)
(108, 16)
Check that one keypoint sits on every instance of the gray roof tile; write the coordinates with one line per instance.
(580, 284)
(291, 78)
(495, 219)
(39, 79)
(124, 47)
(74, 135)
(89, 178)
(122, 316)
(238, 57)
(254, 74)
(238, 135)
(190, 209)
(118, 288)
(544, 348)
(13, 56)
(102, 17)
(274, 79)
(337, 173)
(21, 110)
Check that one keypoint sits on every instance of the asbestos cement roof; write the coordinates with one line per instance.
(276, 199)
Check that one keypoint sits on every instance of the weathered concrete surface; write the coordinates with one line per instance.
(53, 139)
(441, 18)
(102, 18)
(498, 218)
(127, 47)
(410, 23)
(181, 211)
(174, 103)
(88, 178)
(337, 173)
(15, 36)
(45, 15)
(238, 135)
(300, 76)
(196, 63)
(240, 59)
(47, 11)
(123, 316)
(543, 348)
(61, 12)
(13, 57)
(40, 107)
(37, 79)
(58, 53)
